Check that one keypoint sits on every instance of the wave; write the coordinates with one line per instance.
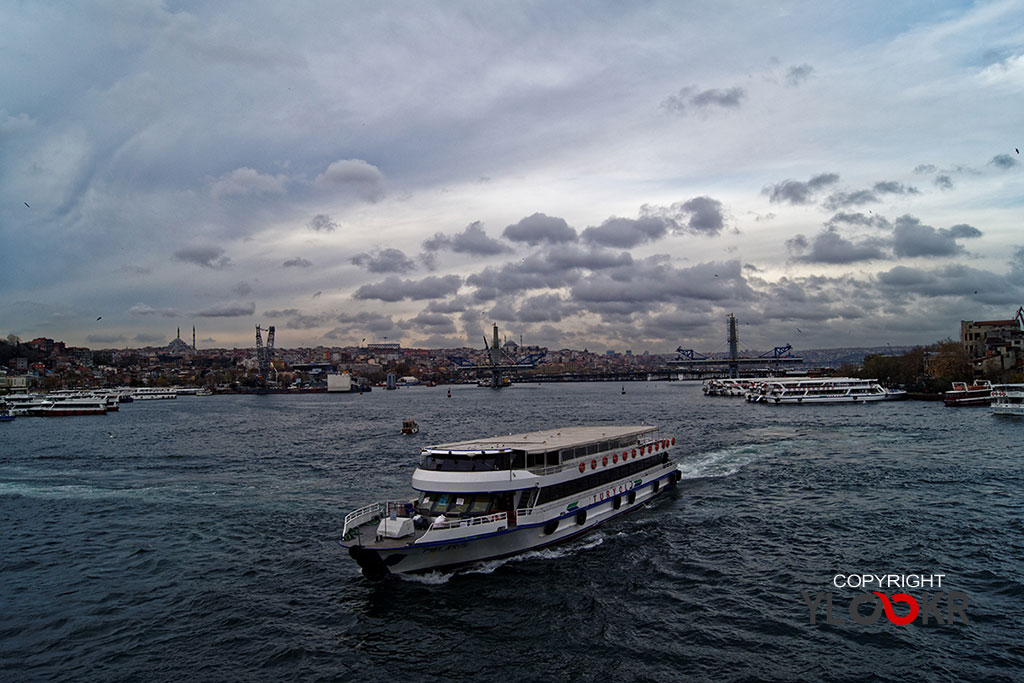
(728, 461)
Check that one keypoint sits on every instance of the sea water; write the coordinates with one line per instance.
(198, 538)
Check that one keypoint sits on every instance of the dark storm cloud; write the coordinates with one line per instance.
(430, 323)
(705, 215)
(394, 289)
(952, 280)
(297, 263)
(571, 256)
(893, 187)
(912, 238)
(543, 308)
(798, 74)
(828, 246)
(799, 192)
(385, 261)
(540, 228)
(690, 96)
(322, 223)
(473, 240)
(625, 233)
(1004, 161)
(205, 256)
(534, 273)
(867, 220)
(228, 310)
(654, 281)
(839, 200)
(365, 320)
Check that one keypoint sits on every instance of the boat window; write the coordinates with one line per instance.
(551, 458)
(459, 506)
(441, 503)
(479, 504)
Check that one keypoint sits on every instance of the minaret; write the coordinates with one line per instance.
(179, 333)
(193, 337)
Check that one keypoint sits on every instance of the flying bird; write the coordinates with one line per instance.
(26, 203)
(799, 330)
(100, 318)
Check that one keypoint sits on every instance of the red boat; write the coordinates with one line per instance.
(963, 394)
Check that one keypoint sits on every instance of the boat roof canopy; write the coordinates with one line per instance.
(539, 442)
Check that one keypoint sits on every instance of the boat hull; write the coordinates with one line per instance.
(377, 562)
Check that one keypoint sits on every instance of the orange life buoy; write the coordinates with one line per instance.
(634, 452)
(604, 461)
(615, 457)
(583, 467)
(673, 441)
(593, 464)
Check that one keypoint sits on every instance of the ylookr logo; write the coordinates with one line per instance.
(944, 607)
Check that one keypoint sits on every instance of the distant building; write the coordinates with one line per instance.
(994, 345)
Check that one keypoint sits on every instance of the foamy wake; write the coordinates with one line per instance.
(490, 566)
(727, 461)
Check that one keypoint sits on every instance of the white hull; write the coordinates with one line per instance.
(865, 398)
(1008, 409)
(496, 541)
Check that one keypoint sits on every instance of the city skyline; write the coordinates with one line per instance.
(601, 175)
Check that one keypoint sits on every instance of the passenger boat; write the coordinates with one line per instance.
(6, 415)
(962, 394)
(819, 390)
(70, 406)
(1008, 399)
(494, 497)
(410, 427)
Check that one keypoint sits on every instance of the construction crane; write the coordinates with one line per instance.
(499, 362)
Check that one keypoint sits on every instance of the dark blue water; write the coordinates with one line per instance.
(197, 539)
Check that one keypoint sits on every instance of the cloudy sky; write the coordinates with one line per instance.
(608, 175)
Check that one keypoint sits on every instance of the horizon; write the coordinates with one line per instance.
(603, 176)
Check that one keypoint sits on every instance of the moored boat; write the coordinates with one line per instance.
(819, 390)
(978, 393)
(1008, 399)
(499, 496)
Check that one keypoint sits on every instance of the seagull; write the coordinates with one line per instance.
(799, 330)
(100, 318)
(1016, 150)
(26, 203)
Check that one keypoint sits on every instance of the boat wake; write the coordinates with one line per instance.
(728, 461)
(490, 566)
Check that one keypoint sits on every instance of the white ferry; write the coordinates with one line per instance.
(488, 498)
(819, 390)
(1008, 399)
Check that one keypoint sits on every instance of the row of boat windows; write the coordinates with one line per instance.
(519, 459)
(432, 503)
(598, 479)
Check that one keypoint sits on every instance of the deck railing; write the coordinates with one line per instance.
(470, 521)
(371, 512)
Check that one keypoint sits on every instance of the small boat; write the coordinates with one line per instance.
(494, 497)
(6, 415)
(962, 394)
(410, 427)
(1008, 399)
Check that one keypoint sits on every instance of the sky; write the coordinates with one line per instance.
(601, 175)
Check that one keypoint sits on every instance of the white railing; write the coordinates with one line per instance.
(470, 521)
(368, 513)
